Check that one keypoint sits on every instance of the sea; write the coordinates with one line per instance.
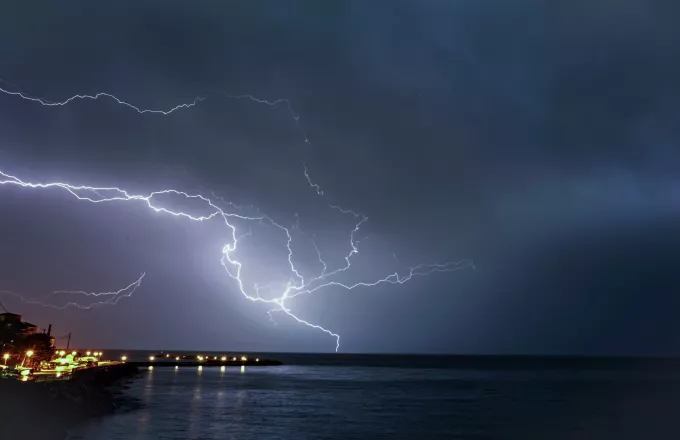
(399, 397)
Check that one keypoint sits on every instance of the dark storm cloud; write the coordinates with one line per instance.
(611, 289)
(490, 130)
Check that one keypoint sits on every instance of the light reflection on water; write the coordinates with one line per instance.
(312, 402)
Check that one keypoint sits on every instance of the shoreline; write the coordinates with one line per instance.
(48, 410)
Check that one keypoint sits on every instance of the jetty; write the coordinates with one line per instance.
(182, 360)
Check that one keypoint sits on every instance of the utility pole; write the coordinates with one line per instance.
(69, 341)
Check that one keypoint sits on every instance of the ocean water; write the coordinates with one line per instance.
(379, 397)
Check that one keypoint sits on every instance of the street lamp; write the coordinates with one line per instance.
(29, 353)
(5, 357)
(62, 353)
(123, 358)
(151, 358)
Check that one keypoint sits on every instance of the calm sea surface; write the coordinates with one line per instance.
(398, 397)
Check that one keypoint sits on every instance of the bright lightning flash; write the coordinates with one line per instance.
(297, 285)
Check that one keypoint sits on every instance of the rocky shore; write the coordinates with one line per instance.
(46, 410)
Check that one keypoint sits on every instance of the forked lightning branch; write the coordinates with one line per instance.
(213, 211)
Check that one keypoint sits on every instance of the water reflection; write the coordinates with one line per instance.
(195, 410)
(144, 415)
(301, 403)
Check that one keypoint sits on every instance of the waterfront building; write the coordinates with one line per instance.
(17, 337)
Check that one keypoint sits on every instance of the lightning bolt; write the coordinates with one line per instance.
(113, 299)
(274, 103)
(98, 96)
(297, 284)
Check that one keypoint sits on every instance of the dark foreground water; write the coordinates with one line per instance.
(321, 397)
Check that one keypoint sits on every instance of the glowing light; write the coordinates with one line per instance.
(243, 358)
(243, 368)
(200, 368)
(62, 353)
(177, 358)
(24, 378)
(25, 372)
(88, 353)
(62, 361)
(298, 284)
(150, 367)
(257, 360)
(73, 353)
(223, 358)
(223, 368)
(152, 358)
(235, 359)
(58, 374)
(167, 355)
(176, 367)
(215, 358)
(233, 266)
(123, 358)
(29, 353)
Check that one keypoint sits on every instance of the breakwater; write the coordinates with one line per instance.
(206, 363)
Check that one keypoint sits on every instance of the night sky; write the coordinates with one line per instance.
(537, 138)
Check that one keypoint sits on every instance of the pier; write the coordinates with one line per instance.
(92, 366)
(171, 360)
